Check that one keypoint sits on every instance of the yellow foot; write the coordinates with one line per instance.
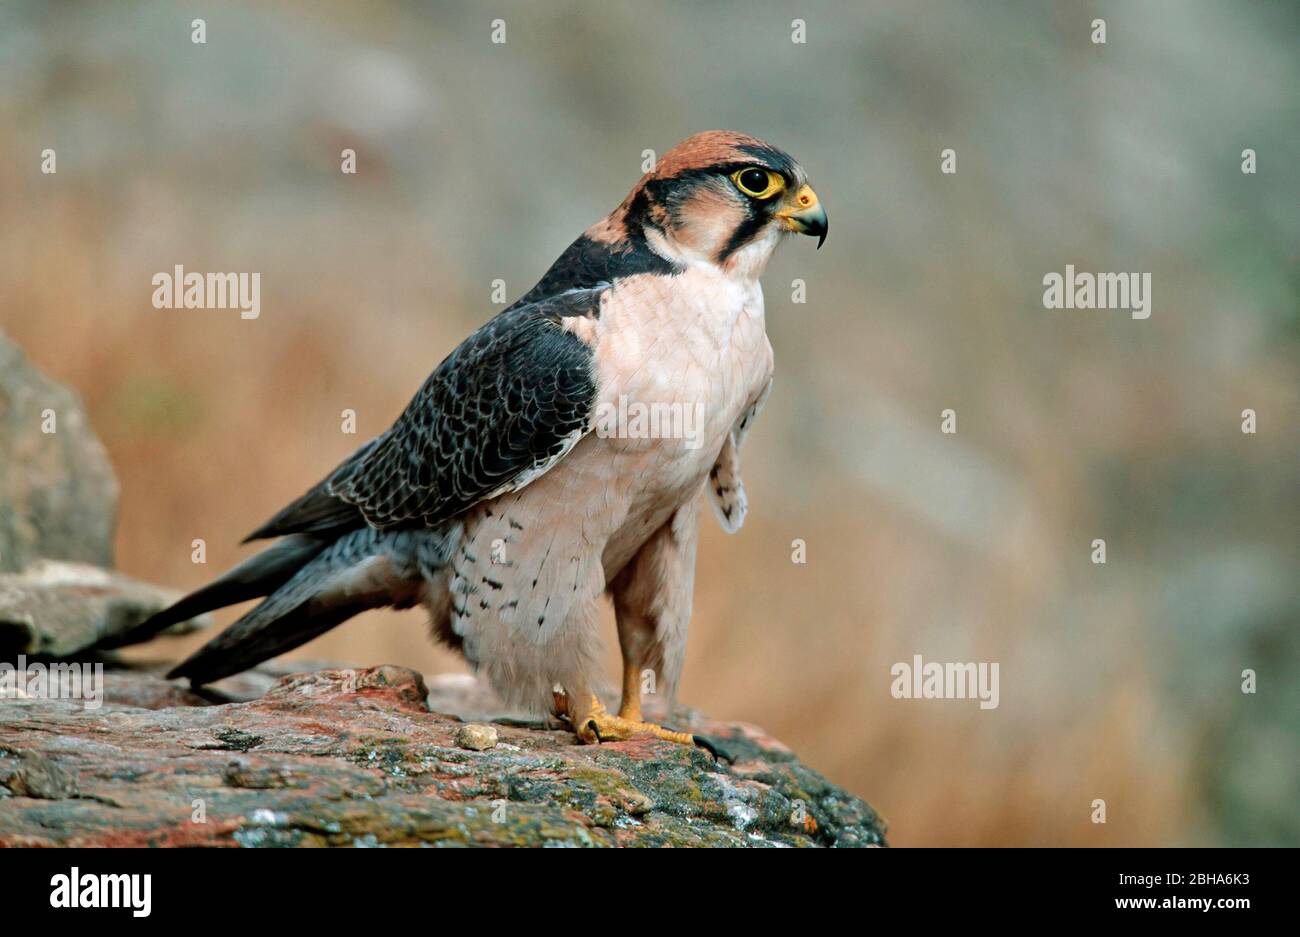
(597, 725)
(602, 726)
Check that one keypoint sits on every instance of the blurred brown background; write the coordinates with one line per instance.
(480, 161)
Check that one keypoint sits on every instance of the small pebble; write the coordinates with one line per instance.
(476, 738)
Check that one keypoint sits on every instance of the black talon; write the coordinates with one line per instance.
(591, 724)
(717, 753)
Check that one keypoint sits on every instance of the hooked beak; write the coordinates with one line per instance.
(806, 215)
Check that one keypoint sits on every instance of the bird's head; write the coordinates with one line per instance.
(718, 198)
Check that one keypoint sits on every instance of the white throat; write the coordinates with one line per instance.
(745, 265)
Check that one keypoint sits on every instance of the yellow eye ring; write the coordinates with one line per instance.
(758, 183)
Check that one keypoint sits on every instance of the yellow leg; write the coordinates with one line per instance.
(630, 708)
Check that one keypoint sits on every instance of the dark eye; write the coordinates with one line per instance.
(758, 183)
(753, 181)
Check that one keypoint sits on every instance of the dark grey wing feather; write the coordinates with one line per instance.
(500, 410)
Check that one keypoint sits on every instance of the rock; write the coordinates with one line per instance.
(27, 774)
(56, 609)
(58, 501)
(476, 738)
(356, 758)
(58, 495)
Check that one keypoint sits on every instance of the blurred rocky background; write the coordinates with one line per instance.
(478, 161)
(59, 595)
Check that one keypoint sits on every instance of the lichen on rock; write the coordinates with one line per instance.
(356, 758)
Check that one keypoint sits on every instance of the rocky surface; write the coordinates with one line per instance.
(58, 494)
(357, 758)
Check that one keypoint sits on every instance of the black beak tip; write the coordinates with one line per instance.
(811, 222)
(821, 226)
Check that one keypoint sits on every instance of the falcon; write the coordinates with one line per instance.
(498, 500)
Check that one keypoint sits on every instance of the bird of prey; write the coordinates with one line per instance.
(496, 501)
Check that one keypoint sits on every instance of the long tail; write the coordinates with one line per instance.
(361, 570)
(255, 577)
